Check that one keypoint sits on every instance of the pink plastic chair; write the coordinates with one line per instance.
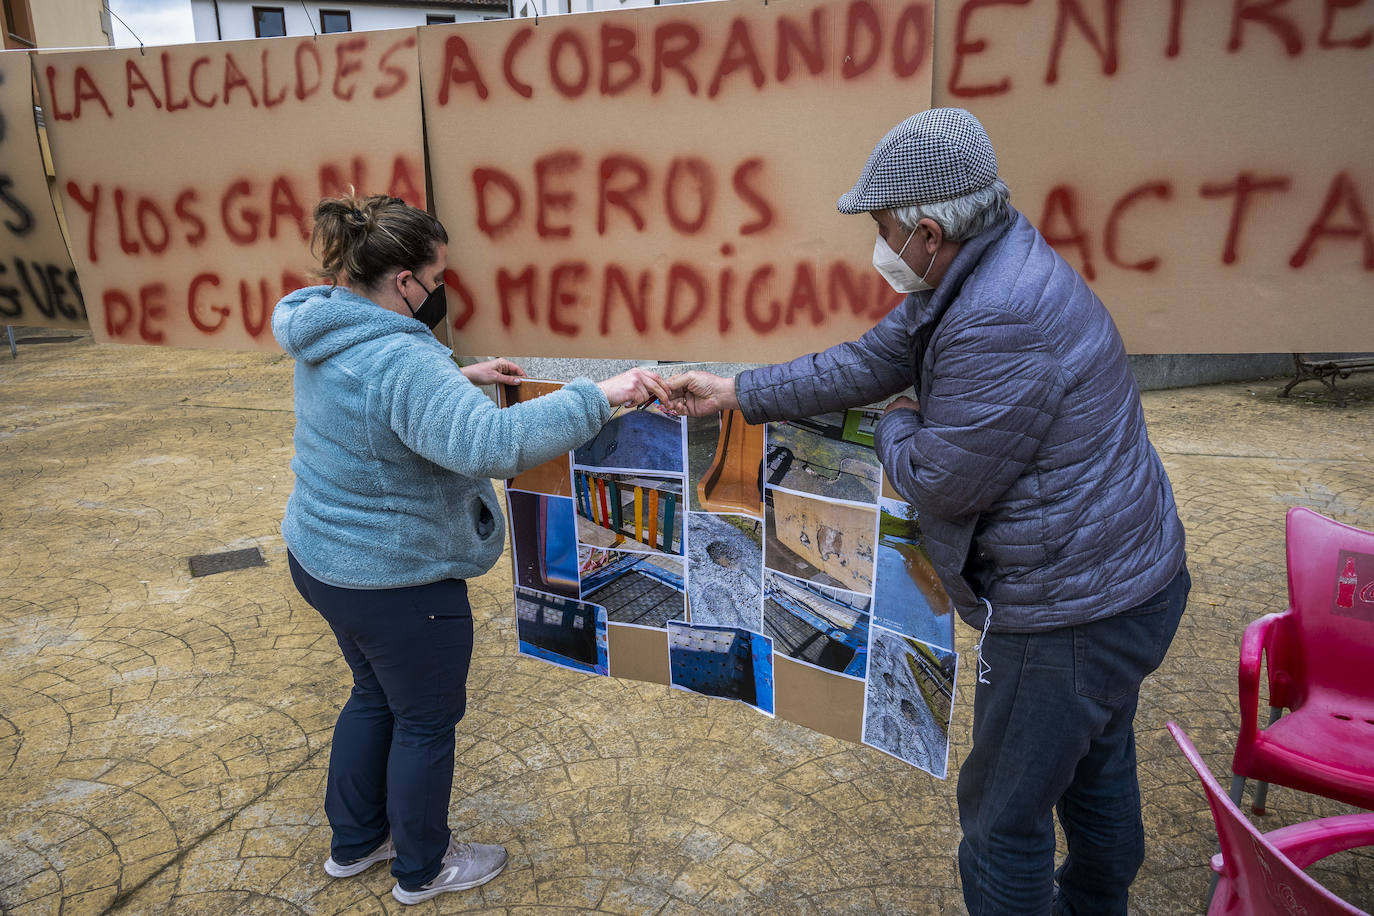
(1262, 873)
(1321, 666)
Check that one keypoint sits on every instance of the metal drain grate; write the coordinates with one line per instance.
(207, 564)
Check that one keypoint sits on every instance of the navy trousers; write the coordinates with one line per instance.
(1053, 733)
(391, 764)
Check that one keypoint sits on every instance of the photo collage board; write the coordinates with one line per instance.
(767, 564)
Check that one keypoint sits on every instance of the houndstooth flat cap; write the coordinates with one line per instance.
(939, 154)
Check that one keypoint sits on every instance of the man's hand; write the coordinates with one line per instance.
(635, 387)
(699, 393)
(493, 372)
(901, 403)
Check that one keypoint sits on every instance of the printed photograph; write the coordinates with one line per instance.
(629, 511)
(562, 631)
(908, 700)
(726, 662)
(636, 588)
(725, 567)
(908, 596)
(829, 455)
(637, 439)
(544, 542)
(822, 542)
(824, 627)
(725, 464)
(554, 476)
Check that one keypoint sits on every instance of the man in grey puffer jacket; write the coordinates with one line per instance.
(1044, 507)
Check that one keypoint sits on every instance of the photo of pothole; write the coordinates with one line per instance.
(725, 464)
(553, 476)
(725, 568)
(908, 596)
(822, 542)
(544, 542)
(824, 627)
(636, 588)
(726, 662)
(562, 631)
(908, 700)
(636, 440)
(828, 455)
(629, 511)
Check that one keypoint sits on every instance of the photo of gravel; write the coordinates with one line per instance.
(829, 455)
(723, 662)
(908, 700)
(824, 627)
(724, 570)
(645, 590)
(908, 596)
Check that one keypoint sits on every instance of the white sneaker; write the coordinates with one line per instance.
(347, 869)
(465, 865)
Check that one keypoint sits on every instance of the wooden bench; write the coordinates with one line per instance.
(1326, 371)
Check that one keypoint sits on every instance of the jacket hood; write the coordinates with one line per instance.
(317, 322)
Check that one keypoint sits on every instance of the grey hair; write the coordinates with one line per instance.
(963, 217)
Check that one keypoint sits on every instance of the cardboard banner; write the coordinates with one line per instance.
(189, 174)
(768, 564)
(1206, 166)
(663, 181)
(38, 285)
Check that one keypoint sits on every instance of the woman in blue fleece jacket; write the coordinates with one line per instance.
(393, 508)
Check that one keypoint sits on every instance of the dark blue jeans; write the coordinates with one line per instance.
(391, 764)
(1053, 732)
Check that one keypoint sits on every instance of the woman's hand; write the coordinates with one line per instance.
(699, 393)
(493, 372)
(638, 386)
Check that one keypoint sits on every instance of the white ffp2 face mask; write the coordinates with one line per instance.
(895, 271)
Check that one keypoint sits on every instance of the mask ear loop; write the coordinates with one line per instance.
(984, 669)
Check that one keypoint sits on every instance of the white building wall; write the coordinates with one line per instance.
(236, 16)
(530, 8)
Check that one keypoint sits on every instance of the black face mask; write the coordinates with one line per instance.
(433, 309)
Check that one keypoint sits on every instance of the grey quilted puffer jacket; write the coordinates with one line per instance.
(1028, 461)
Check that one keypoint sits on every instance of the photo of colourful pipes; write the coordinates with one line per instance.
(631, 512)
(823, 627)
(645, 590)
(830, 455)
(562, 631)
(908, 595)
(727, 662)
(725, 567)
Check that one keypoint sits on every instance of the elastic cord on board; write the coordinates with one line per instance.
(984, 668)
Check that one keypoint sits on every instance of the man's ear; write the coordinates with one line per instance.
(932, 236)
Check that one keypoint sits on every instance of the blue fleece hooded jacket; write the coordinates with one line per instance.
(395, 448)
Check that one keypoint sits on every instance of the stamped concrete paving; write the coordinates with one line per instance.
(163, 740)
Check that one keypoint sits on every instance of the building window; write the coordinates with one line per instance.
(335, 21)
(439, 19)
(269, 21)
